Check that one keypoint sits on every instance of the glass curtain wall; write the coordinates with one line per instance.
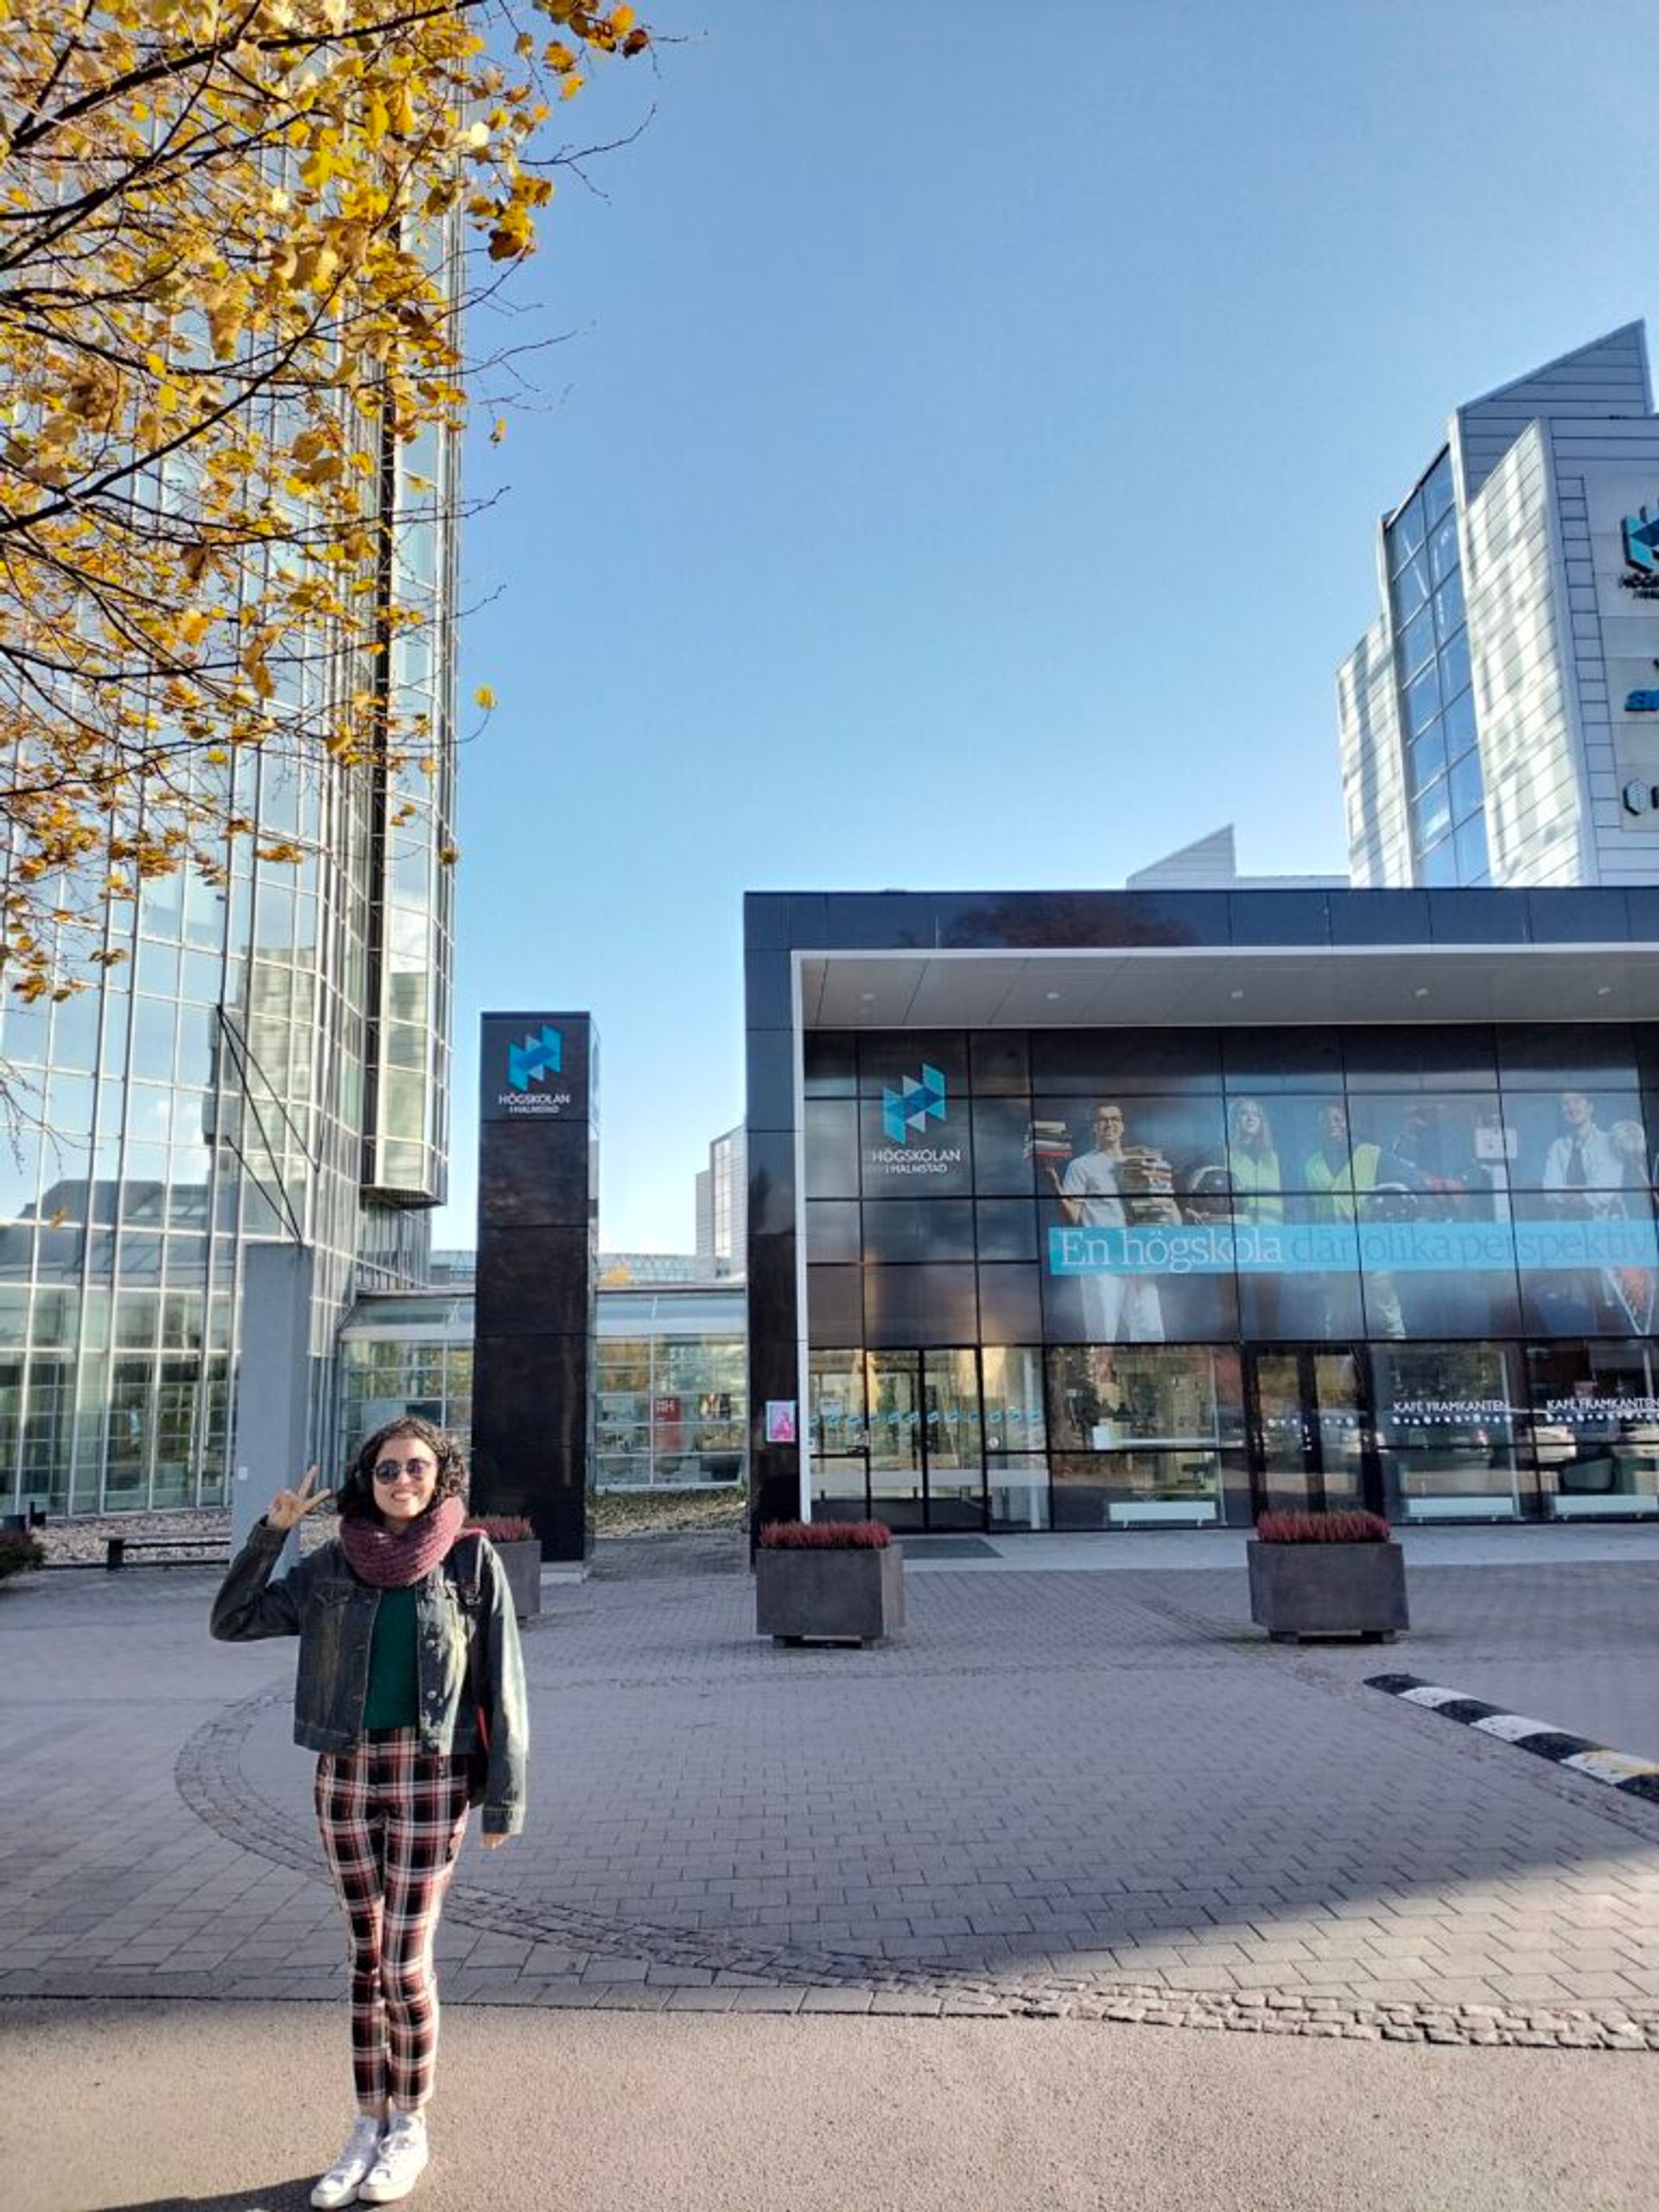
(1437, 701)
(671, 1397)
(397, 1357)
(1111, 1278)
(263, 1058)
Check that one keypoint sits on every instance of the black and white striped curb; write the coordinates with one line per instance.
(1622, 1770)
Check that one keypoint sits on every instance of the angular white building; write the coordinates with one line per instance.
(1500, 719)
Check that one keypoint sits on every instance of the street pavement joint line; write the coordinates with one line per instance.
(1621, 1770)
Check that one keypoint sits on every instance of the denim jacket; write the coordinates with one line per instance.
(332, 1613)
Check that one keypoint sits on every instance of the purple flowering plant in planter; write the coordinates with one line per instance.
(1349, 1526)
(825, 1537)
(828, 1581)
(1337, 1573)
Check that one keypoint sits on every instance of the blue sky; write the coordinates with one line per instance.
(962, 465)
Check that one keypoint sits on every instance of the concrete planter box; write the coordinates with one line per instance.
(521, 1564)
(840, 1596)
(1298, 1590)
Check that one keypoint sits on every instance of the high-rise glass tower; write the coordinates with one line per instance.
(722, 1204)
(266, 1061)
(1500, 720)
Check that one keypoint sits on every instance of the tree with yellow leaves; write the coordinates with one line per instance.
(236, 237)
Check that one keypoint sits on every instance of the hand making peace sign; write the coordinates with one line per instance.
(289, 1507)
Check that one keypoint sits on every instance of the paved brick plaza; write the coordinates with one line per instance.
(1090, 1792)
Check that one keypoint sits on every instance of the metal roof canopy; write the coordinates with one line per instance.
(1211, 986)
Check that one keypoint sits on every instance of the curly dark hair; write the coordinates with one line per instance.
(354, 1500)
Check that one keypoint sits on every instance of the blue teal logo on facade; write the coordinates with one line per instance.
(906, 1111)
(1642, 545)
(536, 1058)
(1642, 702)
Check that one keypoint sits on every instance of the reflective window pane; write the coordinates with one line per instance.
(832, 1230)
(1006, 1229)
(835, 1307)
(1433, 813)
(831, 1144)
(1422, 700)
(1437, 493)
(1458, 724)
(1009, 1147)
(1595, 1425)
(1448, 1431)
(1010, 1303)
(1407, 530)
(1448, 607)
(1443, 548)
(1454, 664)
(1577, 1141)
(1416, 642)
(1428, 757)
(919, 1229)
(920, 1305)
(1471, 841)
(1439, 866)
(1466, 788)
(1411, 587)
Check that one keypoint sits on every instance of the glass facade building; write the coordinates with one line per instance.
(1498, 721)
(671, 1410)
(1446, 794)
(1179, 1208)
(264, 1059)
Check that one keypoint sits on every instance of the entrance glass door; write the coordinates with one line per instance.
(894, 1385)
(1310, 1430)
(927, 1454)
(953, 1441)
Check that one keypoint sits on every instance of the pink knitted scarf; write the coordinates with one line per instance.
(393, 1559)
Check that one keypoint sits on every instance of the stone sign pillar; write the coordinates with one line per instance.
(538, 1237)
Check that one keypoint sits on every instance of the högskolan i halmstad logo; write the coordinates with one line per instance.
(1641, 534)
(916, 1102)
(537, 1059)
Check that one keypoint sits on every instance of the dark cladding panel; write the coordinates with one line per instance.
(539, 1180)
(771, 1181)
(537, 1391)
(537, 1206)
(533, 1281)
(770, 1086)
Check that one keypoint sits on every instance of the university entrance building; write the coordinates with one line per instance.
(1099, 1211)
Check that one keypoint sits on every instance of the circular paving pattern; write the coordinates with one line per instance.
(210, 1778)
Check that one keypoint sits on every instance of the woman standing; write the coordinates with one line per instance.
(1253, 1163)
(411, 1689)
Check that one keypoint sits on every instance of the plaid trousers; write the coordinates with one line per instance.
(391, 1818)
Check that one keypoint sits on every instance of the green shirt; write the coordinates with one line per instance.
(392, 1698)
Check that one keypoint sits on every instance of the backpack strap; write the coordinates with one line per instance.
(465, 1567)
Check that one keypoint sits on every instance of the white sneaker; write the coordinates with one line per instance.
(401, 2161)
(339, 2184)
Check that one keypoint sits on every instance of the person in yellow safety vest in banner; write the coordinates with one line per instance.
(1252, 1163)
(1338, 1175)
(1339, 1171)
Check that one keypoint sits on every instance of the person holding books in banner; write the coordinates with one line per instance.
(1097, 1190)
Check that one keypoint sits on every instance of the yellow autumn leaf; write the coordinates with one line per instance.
(257, 229)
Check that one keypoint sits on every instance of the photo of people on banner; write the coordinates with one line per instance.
(1337, 1214)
